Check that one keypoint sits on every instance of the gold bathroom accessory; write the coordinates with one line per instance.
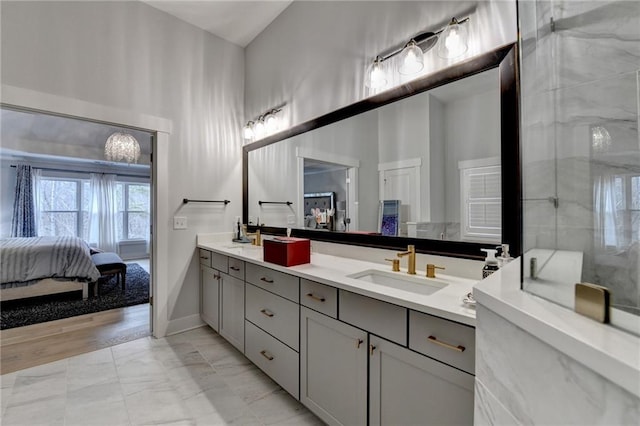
(257, 240)
(411, 262)
(593, 301)
(431, 270)
(395, 264)
(457, 348)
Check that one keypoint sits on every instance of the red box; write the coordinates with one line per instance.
(287, 251)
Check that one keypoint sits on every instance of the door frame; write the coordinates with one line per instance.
(30, 100)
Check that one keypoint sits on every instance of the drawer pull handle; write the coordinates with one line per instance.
(267, 313)
(458, 348)
(233, 268)
(266, 280)
(371, 349)
(314, 297)
(204, 257)
(358, 343)
(267, 355)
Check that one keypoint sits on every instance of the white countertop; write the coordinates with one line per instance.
(613, 353)
(333, 270)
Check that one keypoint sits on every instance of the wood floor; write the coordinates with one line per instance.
(25, 347)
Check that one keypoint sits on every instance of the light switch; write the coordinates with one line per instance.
(179, 222)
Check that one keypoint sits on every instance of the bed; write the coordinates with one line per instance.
(39, 266)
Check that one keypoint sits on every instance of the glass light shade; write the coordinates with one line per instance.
(271, 122)
(259, 128)
(411, 59)
(454, 40)
(247, 130)
(375, 77)
(122, 147)
(600, 139)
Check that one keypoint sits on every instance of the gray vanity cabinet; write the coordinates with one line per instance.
(212, 265)
(333, 369)
(408, 388)
(232, 310)
(209, 296)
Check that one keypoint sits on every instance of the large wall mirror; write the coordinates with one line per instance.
(434, 163)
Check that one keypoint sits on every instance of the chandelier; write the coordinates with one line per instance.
(122, 147)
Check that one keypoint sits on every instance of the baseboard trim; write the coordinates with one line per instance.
(187, 323)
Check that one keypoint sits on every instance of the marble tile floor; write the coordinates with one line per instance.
(192, 378)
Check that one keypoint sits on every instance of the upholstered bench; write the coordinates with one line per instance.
(110, 264)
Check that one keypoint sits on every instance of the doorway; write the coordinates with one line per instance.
(67, 152)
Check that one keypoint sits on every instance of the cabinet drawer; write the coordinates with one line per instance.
(319, 297)
(274, 314)
(444, 340)
(220, 262)
(276, 282)
(279, 361)
(205, 257)
(380, 318)
(236, 268)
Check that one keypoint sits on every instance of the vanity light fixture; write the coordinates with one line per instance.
(453, 42)
(265, 124)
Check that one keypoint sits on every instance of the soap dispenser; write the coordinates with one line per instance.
(504, 257)
(490, 263)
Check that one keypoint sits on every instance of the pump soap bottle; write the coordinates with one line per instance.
(490, 263)
(504, 257)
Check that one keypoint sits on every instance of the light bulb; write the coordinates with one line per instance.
(247, 131)
(271, 122)
(411, 59)
(376, 78)
(453, 41)
(259, 129)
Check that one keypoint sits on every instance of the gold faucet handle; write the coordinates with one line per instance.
(431, 270)
(395, 264)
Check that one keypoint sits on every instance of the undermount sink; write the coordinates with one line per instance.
(400, 281)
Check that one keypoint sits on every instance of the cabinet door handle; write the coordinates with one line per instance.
(314, 297)
(233, 268)
(267, 313)
(371, 349)
(217, 277)
(358, 343)
(266, 280)
(458, 348)
(267, 355)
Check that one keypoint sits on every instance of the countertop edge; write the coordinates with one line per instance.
(610, 352)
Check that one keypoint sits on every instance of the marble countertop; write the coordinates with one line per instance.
(610, 352)
(333, 270)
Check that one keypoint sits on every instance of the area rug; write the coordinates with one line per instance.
(18, 313)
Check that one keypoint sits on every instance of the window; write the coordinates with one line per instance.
(481, 202)
(133, 201)
(64, 207)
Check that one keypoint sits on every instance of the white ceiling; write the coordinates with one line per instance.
(237, 21)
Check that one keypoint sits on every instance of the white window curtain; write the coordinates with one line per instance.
(103, 213)
(609, 229)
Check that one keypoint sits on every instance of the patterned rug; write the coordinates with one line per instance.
(18, 313)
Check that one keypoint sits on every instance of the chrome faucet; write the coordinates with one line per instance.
(411, 262)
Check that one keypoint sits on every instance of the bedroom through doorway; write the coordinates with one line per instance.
(82, 191)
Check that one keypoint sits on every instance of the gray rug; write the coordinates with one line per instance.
(18, 313)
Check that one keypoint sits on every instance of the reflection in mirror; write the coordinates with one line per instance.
(427, 166)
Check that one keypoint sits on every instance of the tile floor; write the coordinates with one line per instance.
(192, 378)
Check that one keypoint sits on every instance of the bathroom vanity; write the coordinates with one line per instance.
(352, 348)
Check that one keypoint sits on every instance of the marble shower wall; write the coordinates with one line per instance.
(580, 65)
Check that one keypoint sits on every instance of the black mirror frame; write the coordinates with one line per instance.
(506, 59)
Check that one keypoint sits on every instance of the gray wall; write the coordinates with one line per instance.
(130, 56)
